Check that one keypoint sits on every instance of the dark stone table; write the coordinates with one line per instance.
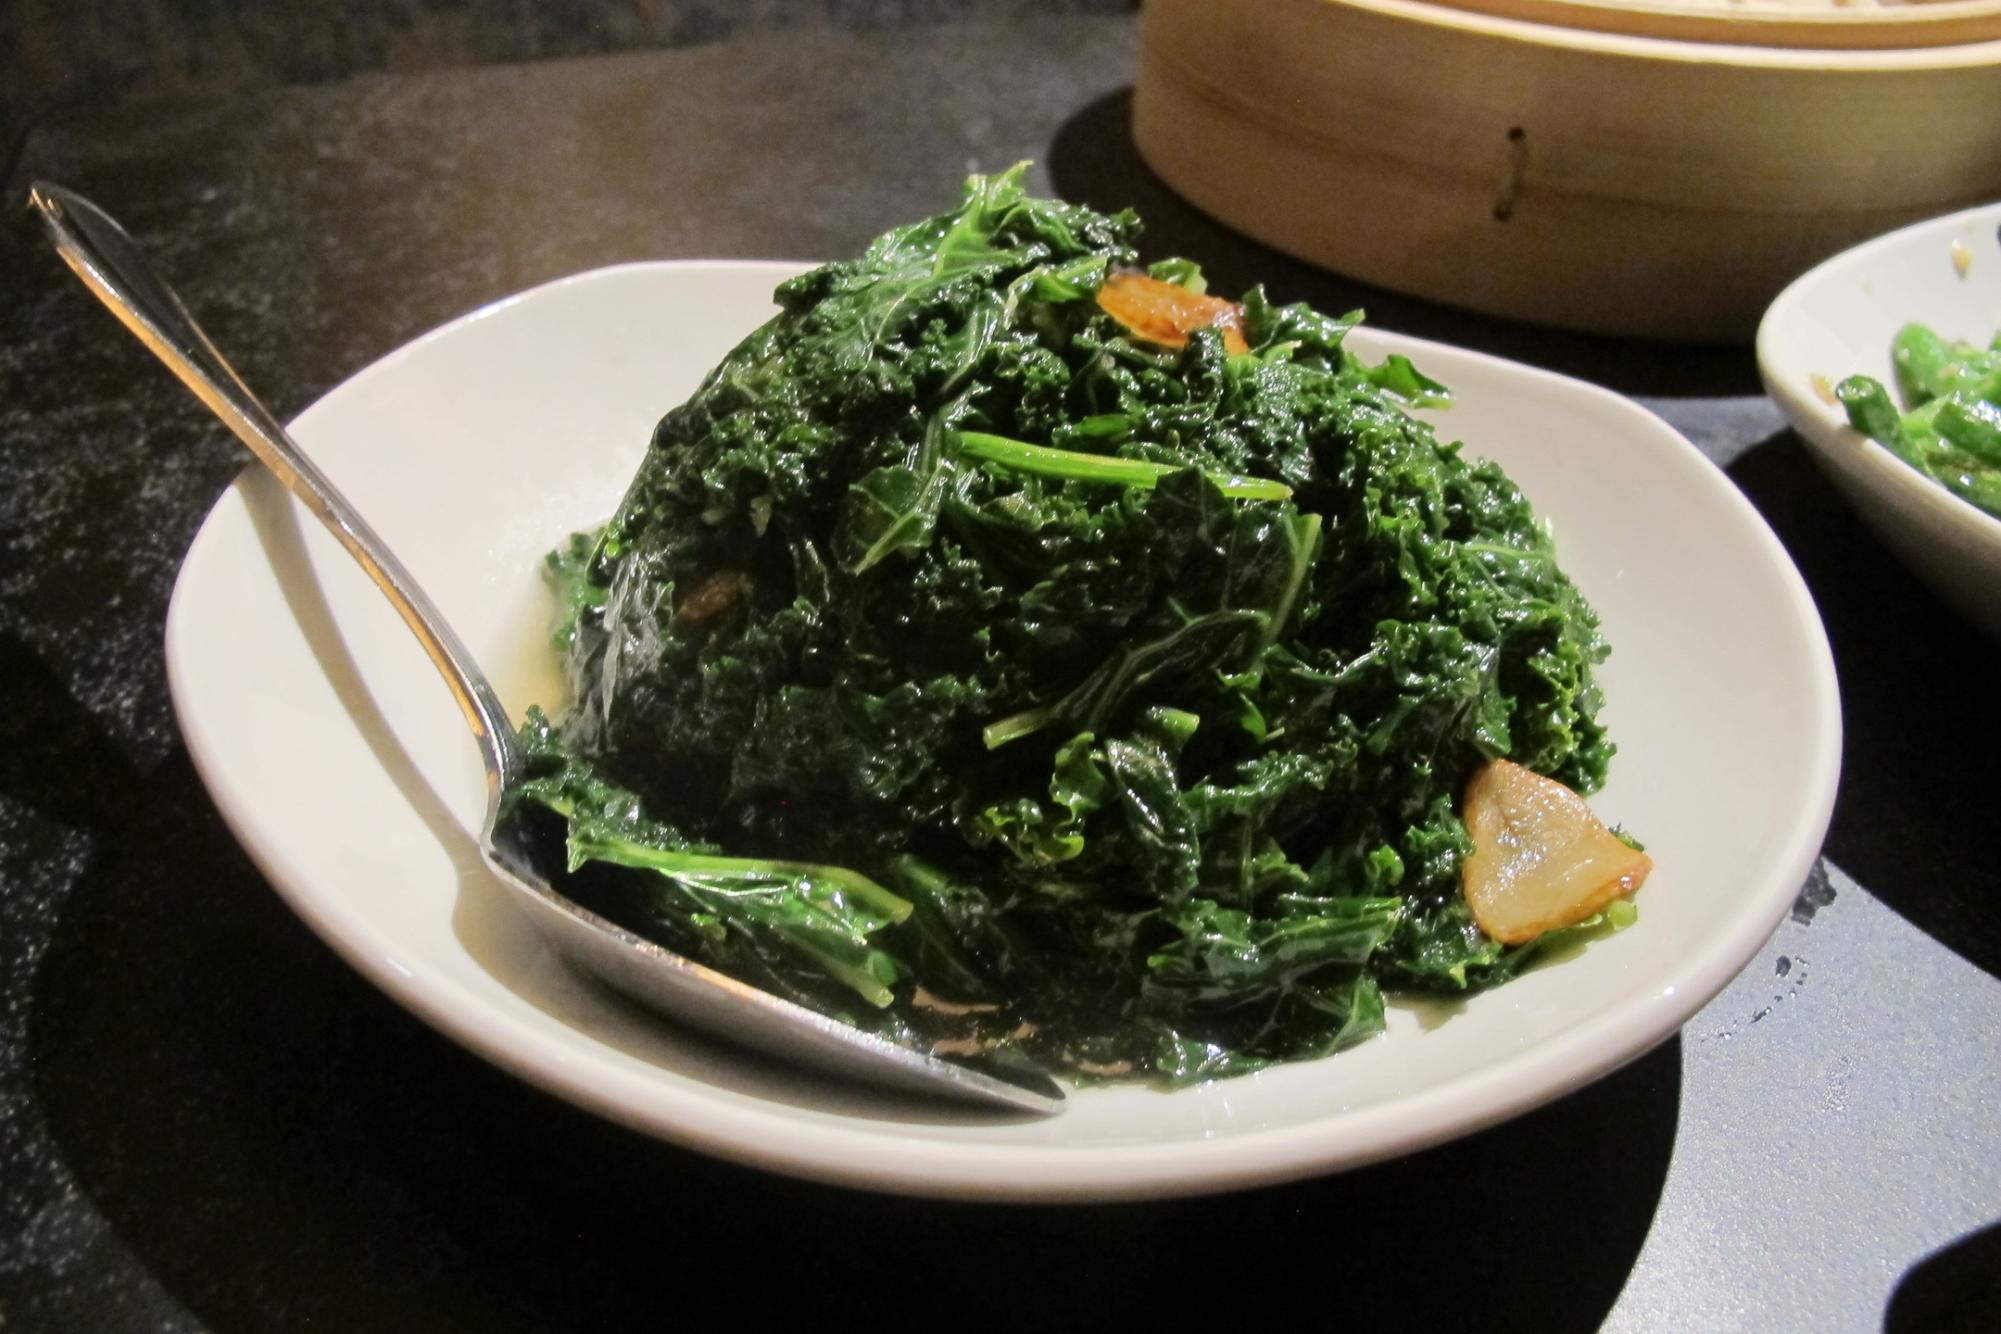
(208, 1122)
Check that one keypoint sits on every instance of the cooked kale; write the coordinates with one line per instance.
(965, 662)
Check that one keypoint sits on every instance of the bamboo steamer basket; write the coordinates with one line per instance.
(1660, 167)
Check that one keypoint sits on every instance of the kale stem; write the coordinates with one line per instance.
(1305, 542)
(1003, 730)
(672, 861)
(1043, 461)
(856, 978)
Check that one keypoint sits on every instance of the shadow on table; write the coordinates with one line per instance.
(280, 1147)
(1914, 815)
(1093, 161)
(1956, 1290)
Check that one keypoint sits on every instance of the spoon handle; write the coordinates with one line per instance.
(110, 263)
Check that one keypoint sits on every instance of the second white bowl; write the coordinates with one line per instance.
(1837, 320)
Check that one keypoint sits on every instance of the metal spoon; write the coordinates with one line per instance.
(110, 263)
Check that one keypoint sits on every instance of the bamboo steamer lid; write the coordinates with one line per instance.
(1660, 167)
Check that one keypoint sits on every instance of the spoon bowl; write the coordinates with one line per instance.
(111, 265)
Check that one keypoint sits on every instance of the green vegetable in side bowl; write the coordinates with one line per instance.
(1949, 427)
(1008, 649)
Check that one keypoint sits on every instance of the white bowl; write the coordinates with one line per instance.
(341, 763)
(1837, 320)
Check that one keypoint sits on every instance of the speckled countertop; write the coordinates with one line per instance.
(208, 1122)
